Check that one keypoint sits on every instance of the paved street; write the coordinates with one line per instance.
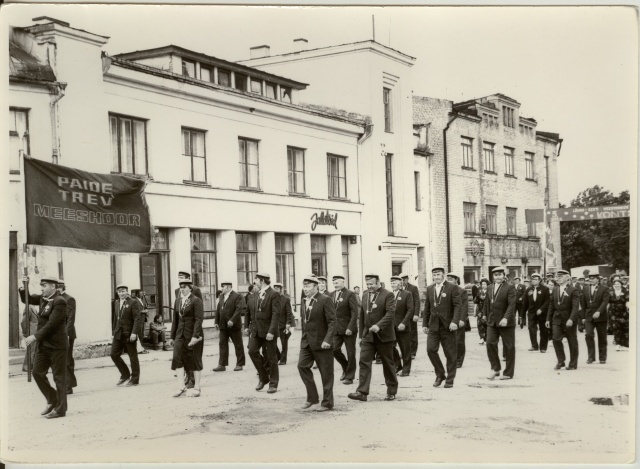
(540, 416)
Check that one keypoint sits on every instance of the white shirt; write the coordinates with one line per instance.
(439, 288)
(225, 298)
(496, 286)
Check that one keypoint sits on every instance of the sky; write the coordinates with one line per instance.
(573, 69)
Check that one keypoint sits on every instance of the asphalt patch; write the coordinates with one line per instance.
(601, 400)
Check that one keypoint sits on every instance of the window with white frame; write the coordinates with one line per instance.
(249, 169)
(337, 172)
(128, 144)
(489, 157)
(509, 161)
(492, 219)
(467, 152)
(18, 137)
(295, 163)
(528, 165)
(511, 221)
(469, 210)
(193, 148)
(388, 109)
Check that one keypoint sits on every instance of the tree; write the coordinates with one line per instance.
(596, 242)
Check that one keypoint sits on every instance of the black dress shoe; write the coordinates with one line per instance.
(237, 368)
(347, 381)
(272, 389)
(47, 409)
(309, 404)
(543, 351)
(558, 366)
(403, 374)
(572, 368)
(220, 368)
(54, 415)
(589, 362)
(390, 397)
(323, 409)
(282, 362)
(448, 385)
(122, 381)
(261, 385)
(357, 396)
(532, 350)
(438, 382)
(69, 390)
(602, 362)
(131, 383)
(343, 376)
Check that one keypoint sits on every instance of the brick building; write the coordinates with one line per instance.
(488, 164)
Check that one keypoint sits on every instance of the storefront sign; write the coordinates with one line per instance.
(324, 218)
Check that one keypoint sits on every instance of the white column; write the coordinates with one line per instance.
(179, 255)
(215, 75)
(128, 270)
(226, 257)
(302, 256)
(267, 254)
(334, 256)
(356, 276)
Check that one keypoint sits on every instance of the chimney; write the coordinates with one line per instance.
(301, 44)
(259, 52)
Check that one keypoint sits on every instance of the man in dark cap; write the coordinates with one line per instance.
(376, 333)
(417, 314)
(286, 323)
(185, 275)
(228, 320)
(563, 315)
(318, 329)
(128, 318)
(72, 382)
(594, 317)
(536, 305)
(265, 332)
(403, 322)
(440, 322)
(346, 306)
(53, 343)
(520, 289)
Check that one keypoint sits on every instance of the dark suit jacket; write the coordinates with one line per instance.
(321, 324)
(380, 313)
(598, 303)
(474, 291)
(415, 294)
(346, 311)
(187, 320)
(445, 309)
(129, 320)
(71, 315)
(502, 306)
(561, 309)
(233, 310)
(52, 320)
(403, 313)
(249, 318)
(464, 304)
(287, 313)
(268, 310)
(541, 303)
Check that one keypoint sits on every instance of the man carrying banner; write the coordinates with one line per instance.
(124, 337)
(52, 346)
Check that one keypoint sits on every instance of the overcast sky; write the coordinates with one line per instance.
(572, 69)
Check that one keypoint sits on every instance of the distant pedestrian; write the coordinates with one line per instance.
(619, 315)
(481, 297)
(286, 323)
(464, 319)
(403, 323)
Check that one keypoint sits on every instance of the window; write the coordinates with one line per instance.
(416, 181)
(270, 91)
(224, 77)
(206, 74)
(489, 160)
(511, 221)
(318, 255)
(249, 171)
(531, 229)
(345, 259)
(386, 99)
(241, 81)
(469, 217)
(203, 266)
(421, 137)
(389, 185)
(528, 165)
(508, 116)
(128, 144)
(492, 219)
(193, 148)
(285, 272)
(247, 257)
(295, 162)
(509, 162)
(188, 68)
(18, 137)
(467, 152)
(256, 86)
(285, 94)
(337, 170)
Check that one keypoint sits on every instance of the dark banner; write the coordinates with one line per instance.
(76, 209)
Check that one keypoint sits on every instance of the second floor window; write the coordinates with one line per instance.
(489, 159)
(509, 161)
(528, 165)
(249, 171)
(492, 219)
(511, 221)
(270, 90)
(295, 163)
(128, 144)
(256, 86)
(508, 118)
(467, 152)
(531, 229)
(193, 149)
(386, 99)
(337, 169)
(469, 217)
(18, 137)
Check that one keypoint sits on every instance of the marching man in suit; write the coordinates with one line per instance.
(461, 333)
(72, 382)
(184, 275)
(318, 329)
(346, 306)
(377, 334)
(440, 322)
(128, 317)
(53, 343)
(228, 320)
(402, 321)
(594, 317)
(415, 294)
(563, 316)
(285, 324)
(265, 332)
(536, 305)
(500, 314)
(520, 292)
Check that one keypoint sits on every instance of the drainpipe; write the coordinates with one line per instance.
(446, 190)
(368, 130)
(57, 89)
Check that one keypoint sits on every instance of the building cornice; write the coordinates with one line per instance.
(48, 32)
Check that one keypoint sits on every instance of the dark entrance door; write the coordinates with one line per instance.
(151, 281)
(14, 307)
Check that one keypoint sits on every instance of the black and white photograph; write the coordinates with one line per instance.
(319, 234)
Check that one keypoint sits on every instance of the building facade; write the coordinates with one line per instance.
(489, 165)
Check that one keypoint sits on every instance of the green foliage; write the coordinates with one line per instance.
(596, 242)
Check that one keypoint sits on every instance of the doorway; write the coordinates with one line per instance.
(14, 307)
